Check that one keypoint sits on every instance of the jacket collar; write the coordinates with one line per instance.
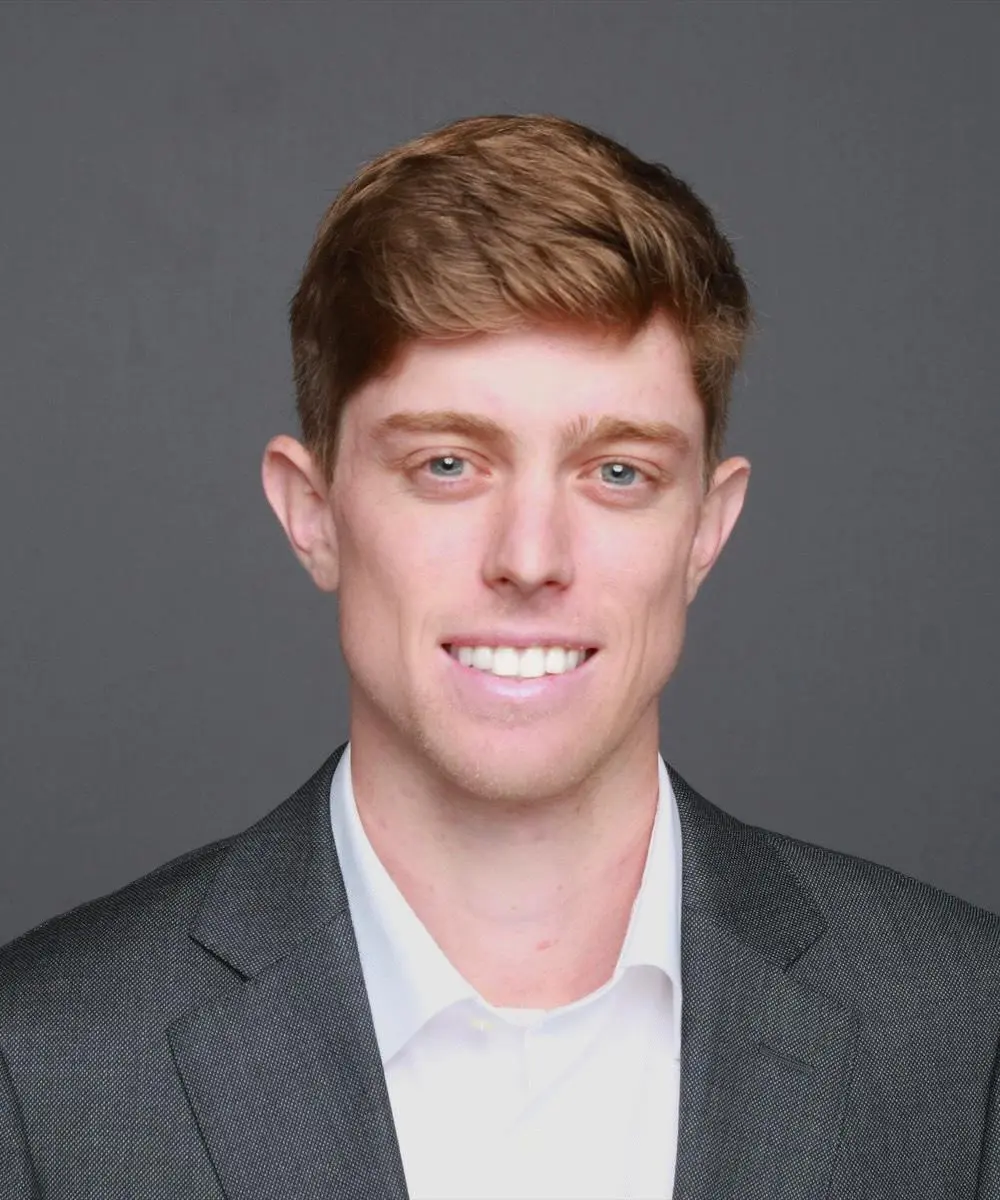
(284, 1075)
(766, 1057)
(281, 881)
(735, 877)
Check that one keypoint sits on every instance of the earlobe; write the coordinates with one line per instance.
(296, 490)
(719, 512)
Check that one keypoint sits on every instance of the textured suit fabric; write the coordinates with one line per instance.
(204, 1033)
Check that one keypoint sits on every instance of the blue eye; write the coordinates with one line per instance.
(623, 466)
(623, 475)
(446, 458)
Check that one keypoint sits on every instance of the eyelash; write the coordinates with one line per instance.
(621, 462)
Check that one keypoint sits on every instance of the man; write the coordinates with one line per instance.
(495, 946)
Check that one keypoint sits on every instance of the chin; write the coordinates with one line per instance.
(513, 764)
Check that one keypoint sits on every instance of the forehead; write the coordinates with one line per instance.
(536, 380)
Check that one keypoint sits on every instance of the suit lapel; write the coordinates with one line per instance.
(765, 1059)
(284, 1076)
(283, 1071)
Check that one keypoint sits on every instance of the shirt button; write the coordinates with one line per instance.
(481, 1024)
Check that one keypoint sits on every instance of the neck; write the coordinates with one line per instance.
(531, 905)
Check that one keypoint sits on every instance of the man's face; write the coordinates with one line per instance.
(472, 507)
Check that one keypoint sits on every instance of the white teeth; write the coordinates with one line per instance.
(555, 660)
(506, 661)
(482, 658)
(530, 663)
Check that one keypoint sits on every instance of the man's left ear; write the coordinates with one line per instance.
(720, 507)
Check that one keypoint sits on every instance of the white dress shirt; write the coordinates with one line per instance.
(573, 1103)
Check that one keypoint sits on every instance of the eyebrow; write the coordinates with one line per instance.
(580, 432)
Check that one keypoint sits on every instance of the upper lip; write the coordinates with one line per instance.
(520, 640)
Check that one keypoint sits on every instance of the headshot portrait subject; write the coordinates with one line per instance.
(495, 947)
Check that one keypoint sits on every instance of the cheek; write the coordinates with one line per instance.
(372, 614)
(395, 572)
(648, 572)
(644, 586)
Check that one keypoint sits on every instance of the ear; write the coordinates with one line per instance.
(720, 507)
(298, 493)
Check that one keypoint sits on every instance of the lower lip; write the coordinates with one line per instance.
(484, 685)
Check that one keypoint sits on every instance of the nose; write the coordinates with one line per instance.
(530, 542)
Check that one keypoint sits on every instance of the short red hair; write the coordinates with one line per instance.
(496, 223)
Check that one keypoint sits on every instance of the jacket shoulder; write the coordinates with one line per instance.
(885, 918)
(106, 953)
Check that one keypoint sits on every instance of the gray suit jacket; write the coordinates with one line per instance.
(205, 1032)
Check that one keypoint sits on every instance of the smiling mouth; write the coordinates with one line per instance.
(507, 662)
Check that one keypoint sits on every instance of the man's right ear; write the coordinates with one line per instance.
(299, 494)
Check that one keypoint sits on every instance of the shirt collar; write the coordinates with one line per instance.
(407, 976)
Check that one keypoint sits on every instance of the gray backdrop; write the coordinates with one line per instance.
(169, 672)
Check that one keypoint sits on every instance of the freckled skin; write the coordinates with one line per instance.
(529, 545)
(491, 801)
